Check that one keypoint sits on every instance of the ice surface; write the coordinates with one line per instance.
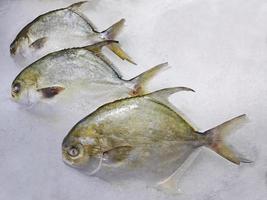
(217, 47)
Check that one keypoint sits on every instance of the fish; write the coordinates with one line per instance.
(76, 71)
(60, 29)
(142, 138)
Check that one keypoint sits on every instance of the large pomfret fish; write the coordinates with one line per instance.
(73, 72)
(140, 137)
(60, 29)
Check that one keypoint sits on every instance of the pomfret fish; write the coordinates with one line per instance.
(140, 137)
(60, 29)
(72, 71)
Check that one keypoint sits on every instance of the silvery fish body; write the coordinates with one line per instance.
(83, 74)
(60, 29)
(138, 137)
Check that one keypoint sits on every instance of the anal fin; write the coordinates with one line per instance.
(170, 185)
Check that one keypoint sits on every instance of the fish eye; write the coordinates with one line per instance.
(16, 88)
(73, 151)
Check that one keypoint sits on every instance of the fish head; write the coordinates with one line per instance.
(23, 89)
(81, 149)
(13, 47)
(18, 45)
(20, 48)
(19, 90)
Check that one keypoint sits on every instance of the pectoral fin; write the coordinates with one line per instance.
(50, 92)
(117, 154)
(39, 43)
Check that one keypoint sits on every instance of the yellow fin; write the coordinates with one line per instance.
(115, 48)
(215, 138)
(141, 80)
(96, 48)
(110, 34)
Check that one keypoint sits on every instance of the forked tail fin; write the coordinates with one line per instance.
(215, 137)
(141, 80)
(110, 34)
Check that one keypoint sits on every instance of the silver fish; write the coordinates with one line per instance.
(60, 29)
(141, 137)
(71, 72)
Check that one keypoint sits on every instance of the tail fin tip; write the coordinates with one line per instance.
(216, 142)
(110, 34)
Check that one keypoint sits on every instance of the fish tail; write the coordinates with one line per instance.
(110, 34)
(141, 80)
(215, 139)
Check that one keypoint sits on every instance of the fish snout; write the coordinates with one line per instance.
(65, 160)
(13, 49)
(15, 89)
(12, 95)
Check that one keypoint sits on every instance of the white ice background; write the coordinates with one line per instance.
(217, 47)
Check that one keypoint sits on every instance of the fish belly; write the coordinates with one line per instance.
(150, 165)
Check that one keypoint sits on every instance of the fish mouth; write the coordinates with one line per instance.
(21, 101)
(68, 162)
(12, 49)
(13, 95)
(86, 167)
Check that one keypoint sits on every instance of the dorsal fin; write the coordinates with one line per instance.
(163, 95)
(96, 48)
(76, 6)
